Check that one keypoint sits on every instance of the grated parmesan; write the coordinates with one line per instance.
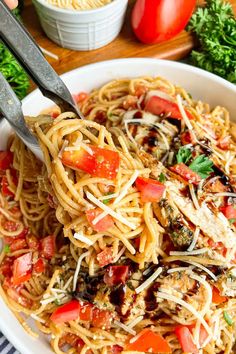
(186, 253)
(37, 318)
(124, 327)
(81, 257)
(79, 236)
(126, 187)
(195, 238)
(203, 268)
(135, 321)
(193, 196)
(148, 281)
(110, 211)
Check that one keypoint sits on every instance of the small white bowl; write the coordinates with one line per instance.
(82, 30)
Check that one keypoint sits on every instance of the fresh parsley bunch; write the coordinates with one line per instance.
(12, 71)
(215, 28)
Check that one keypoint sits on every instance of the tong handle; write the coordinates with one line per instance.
(29, 55)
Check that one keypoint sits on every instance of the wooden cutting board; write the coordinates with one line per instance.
(125, 46)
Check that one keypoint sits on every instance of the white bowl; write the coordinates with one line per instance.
(201, 84)
(82, 30)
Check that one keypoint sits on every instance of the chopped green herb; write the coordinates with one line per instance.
(6, 249)
(202, 166)
(106, 201)
(162, 178)
(232, 221)
(215, 28)
(184, 155)
(228, 318)
(57, 302)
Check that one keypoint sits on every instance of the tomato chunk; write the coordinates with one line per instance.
(151, 190)
(80, 97)
(185, 339)
(48, 246)
(115, 275)
(224, 143)
(186, 173)
(102, 225)
(102, 163)
(158, 105)
(115, 349)
(148, 341)
(22, 269)
(187, 138)
(102, 318)
(105, 257)
(216, 297)
(67, 312)
(86, 311)
(39, 266)
(32, 242)
(229, 212)
(6, 266)
(6, 159)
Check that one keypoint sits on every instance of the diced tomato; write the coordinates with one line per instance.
(73, 340)
(203, 334)
(55, 114)
(67, 312)
(140, 90)
(105, 257)
(216, 297)
(186, 340)
(102, 163)
(115, 275)
(224, 143)
(157, 105)
(80, 97)
(186, 173)
(14, 294)
(115, 349)
(11, 226)
(229, 212)
(48, 247)
(149, 341)
(6, 159)
(102, 318)
(32, 242)
(187, 138)
(39, 266)
(5, 190)
(18, 244)
(86, 311)
(22, 269)
(101, 226)
(151, 190)
(6, 266)
(10, 240)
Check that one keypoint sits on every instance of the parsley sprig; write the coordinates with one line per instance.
(215, 27)
(201, 164)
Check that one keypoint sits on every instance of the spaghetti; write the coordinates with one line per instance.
(79, 5)
(124, 241)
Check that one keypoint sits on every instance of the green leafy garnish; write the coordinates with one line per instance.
(202, 166)
(184, 155)
(232, 221)
(228, 318)
(57, 302)
(215, 27)
(6, 248)
(162, 178)
(106, 201)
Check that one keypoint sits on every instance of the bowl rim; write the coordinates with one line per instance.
(15, 340)
(113, 3)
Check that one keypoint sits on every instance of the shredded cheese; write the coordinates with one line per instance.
(81, 257)
(177, 269)
(148, 281)
(203, 268)
(67, 284)
(193, 196)
(183, 253)
(208, 297)
(223, 194)
(124, 327)
(79, 236)
(163, 294)
(110, 211)
(195, 238)
(119, 254)
(64, 145)
(109, 196)
(126, 187)
(135, 321)
(37, 318)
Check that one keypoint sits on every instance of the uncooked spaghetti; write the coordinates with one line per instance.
(79, 5)
(124, 241)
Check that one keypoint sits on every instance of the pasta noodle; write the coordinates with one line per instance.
(124, 240)
(79, 5)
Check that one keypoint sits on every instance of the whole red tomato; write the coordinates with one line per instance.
(154, 21)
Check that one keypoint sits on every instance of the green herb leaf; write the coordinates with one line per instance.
(228, 318)
(162, 178)
(184, 155)
(232, 221)
(106, 201)
(202, 166)
(57, 302)
(6, 248)
(215, 27)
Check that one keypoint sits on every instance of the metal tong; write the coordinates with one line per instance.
(26, 51)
